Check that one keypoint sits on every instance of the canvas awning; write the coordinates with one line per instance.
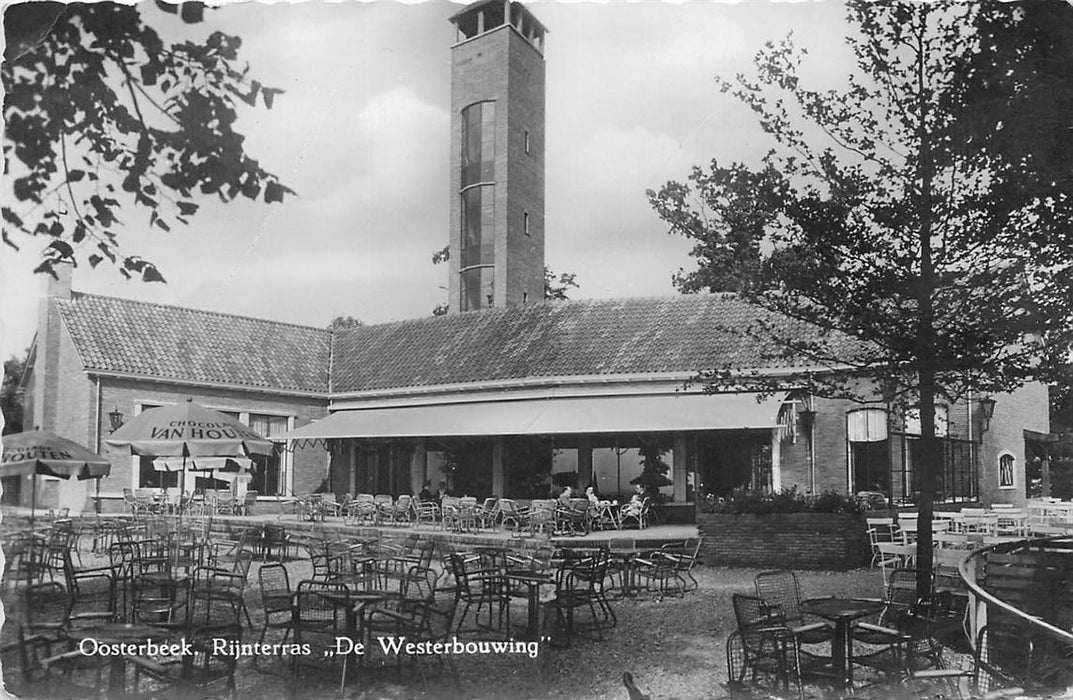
(604, 414)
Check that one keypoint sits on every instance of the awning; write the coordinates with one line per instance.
(604, 414)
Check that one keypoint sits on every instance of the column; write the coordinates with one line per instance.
(418, 466)
(584, 464)
(499, 474)
(680, 467)
(776, 461)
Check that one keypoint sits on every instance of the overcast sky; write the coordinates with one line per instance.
(362, 135)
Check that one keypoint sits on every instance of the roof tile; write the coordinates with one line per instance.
(171, 342)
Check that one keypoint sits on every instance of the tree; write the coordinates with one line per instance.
(878, 221)
(344, 322)
(555, 288)
(103, 117)
(10, 398)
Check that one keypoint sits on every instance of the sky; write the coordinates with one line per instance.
(362, 131)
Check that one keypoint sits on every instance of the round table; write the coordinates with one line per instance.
(842, 612)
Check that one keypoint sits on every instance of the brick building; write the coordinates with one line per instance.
(507, 395)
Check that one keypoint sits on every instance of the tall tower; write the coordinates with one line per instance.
(497, 157)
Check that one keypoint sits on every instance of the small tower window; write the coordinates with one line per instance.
(525, 223)
(527, 142)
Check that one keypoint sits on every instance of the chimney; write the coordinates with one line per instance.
(46, 366)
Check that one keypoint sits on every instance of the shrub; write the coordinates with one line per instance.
(747, 501)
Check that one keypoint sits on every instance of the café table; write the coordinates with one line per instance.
(117, 633)
(607, 512)
(843, 612)
(532, 580)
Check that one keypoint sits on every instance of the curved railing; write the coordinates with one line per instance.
(982, 601)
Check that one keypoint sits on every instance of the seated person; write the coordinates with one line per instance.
(426, 493)
(564, 497)
(633, 508)
(590, 493)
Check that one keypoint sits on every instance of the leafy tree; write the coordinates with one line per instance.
(555, 288)
(881, 223)
(104, 118)
(10, 399)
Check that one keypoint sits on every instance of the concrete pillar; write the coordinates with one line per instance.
(584, 464)
(418, 466)
(776, 461)
(680, 467)
(499, 473)
(352, 460)
(1045, 467)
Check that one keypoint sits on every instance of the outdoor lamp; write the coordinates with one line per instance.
(115, 418)
(987, 409)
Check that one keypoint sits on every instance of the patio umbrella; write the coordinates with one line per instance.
(41, 452)
(189, 431)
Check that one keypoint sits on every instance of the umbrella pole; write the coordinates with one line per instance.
(33, 496)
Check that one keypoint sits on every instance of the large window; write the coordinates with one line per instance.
(869, 450)
(270, 475)
(477, 201)
(478, 143)
(270, 471)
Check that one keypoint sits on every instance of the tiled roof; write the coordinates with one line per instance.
(170, 342)
(678, 334)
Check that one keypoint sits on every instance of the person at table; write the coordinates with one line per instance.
(439, 493)
(564, 497)
(590, 493)
(633, 508)
(427, 494)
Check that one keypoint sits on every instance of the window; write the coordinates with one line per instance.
(942, 421)
(869, 450)
(269, 471)
(478, 143)
(525, 223)
(1006, 462)
(527, 142)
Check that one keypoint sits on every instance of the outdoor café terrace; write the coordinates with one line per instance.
(509, 604)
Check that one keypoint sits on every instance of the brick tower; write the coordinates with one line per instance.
(497, 157)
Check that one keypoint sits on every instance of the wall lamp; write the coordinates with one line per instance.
(115, 419)
(987, 410)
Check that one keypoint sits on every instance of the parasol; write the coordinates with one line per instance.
(40, 452)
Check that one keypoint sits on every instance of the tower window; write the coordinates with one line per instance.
(527, 142)
(525, 223)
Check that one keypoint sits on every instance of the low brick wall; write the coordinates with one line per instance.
(826, 541)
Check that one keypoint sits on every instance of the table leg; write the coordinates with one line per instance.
(839, 656)
(533, 625)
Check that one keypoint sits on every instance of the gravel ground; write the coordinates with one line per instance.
(674, 648)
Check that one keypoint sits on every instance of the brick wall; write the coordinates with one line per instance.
(824, 541)
(309, 464)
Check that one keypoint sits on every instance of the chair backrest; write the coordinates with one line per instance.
(1003, 659)
(275, 585)
(489, 505)
(314, 612)
(383, 499)
(750, 611)
(780, 591)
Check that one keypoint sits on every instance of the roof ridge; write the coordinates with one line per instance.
(545, 303)
(221, 314)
